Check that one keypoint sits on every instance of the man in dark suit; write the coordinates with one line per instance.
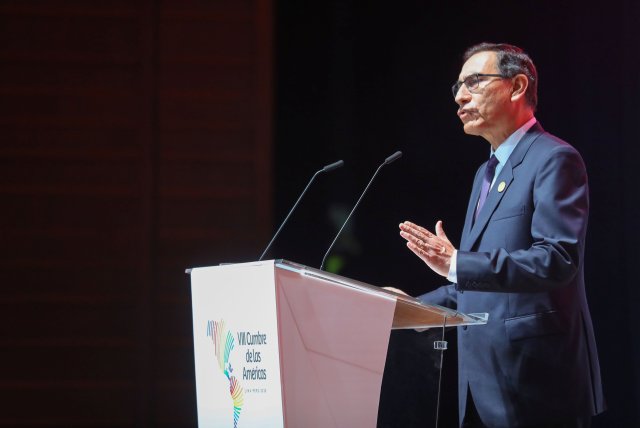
(521, 259)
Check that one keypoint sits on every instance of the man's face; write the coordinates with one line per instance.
(484, 111)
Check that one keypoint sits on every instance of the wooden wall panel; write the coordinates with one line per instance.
(135, 142)
(209, 115)
(70, 186)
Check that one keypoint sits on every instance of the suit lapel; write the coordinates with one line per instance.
(472, 231)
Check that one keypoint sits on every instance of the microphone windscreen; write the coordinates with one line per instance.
(393, 157)
(333, 166)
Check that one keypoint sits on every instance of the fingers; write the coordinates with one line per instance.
(395, 290)
(417, 249)
(419, 236)
(425, 252)
(408, 227)
(408, 230)
(440, 230)
(420, 240)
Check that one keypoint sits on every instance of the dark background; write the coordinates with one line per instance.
(139, 138)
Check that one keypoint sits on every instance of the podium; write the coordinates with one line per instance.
(279, 344)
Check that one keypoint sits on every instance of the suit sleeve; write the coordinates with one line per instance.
(444, 296)
(558, 227)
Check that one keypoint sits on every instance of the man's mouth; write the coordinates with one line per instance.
(467, 114)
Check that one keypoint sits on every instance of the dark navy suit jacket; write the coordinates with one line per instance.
(522, 262)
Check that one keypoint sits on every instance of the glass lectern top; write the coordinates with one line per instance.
(410, 312)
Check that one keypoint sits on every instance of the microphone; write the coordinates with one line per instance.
(326, 168)
(387, 161)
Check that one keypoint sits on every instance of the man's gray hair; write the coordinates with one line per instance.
(511, 61)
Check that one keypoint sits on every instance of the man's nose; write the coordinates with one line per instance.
(463, 96)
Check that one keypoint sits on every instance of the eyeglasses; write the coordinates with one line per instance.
(472, 82)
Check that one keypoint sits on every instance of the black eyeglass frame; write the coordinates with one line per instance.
(474, 79)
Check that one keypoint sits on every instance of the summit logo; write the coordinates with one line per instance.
(223, 344)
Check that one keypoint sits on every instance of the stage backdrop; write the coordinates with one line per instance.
(135, 142)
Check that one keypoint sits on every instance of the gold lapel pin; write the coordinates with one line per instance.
(501, 186)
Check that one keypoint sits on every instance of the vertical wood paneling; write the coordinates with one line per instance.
(211, 115)
(135, 142)
(70, 114)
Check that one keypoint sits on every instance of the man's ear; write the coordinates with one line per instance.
(520, 85)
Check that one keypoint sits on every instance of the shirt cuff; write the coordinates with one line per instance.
(453, 274)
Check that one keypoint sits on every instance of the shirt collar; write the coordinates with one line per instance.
(505, 149)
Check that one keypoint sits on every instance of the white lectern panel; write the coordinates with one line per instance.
(236, 346)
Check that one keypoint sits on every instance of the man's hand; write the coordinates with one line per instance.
(395, 290)
(435, 250)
